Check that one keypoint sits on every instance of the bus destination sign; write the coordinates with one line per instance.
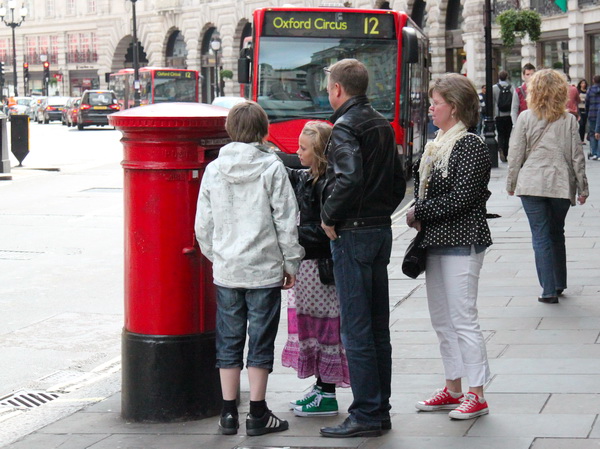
(329, 24)
(175, 74)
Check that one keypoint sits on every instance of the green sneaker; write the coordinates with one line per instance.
(324, 404)
(307, 398)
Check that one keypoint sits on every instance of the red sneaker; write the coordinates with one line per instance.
(471, 407)
(441, 400)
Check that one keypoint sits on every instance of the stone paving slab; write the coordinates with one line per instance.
(544, 337)
(457, 443)
(525, 425)
(506, 365)
(545, 383)
(563, 443)
(559, 403)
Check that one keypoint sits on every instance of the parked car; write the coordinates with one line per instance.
(51, 109)
(95, 107)
(33, 107)
(70, 108)
(19, 105)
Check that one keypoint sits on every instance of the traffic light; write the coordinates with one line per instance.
(1, 74)
(26, 71)
(46, 71)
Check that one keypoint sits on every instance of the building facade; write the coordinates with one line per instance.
(84, 40)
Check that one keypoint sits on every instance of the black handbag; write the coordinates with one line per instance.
(326, 271)
(415, 257)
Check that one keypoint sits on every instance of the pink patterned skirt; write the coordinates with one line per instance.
(314, 347)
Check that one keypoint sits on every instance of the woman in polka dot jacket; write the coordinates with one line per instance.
(451, 185)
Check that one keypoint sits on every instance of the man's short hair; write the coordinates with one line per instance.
(596, 79)
(502, 75)
(352, 75)
(247, 122)
(528, 66)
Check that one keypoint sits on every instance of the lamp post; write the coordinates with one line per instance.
(12, 5)
(215, 44)
(136, 59)
(490, 125)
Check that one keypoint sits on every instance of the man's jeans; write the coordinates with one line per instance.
(360, 260)
(259, 309)
(547, 222)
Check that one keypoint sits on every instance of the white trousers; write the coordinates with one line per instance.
(452, 283)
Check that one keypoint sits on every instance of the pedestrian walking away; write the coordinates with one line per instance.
(546, 169)
(503, 97)
(519, 103)
(365, 184)
(582, 87)
(314, 347)
(592, 107)
(246, 226)
(451, 192)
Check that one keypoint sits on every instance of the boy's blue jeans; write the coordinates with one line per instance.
(254, 310)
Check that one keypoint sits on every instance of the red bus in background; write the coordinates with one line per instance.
(292, 45)
(157, 85)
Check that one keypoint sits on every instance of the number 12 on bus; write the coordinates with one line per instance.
(291, 47)
(157, 85)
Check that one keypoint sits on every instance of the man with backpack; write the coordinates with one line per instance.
(503, 98)
(519, 103)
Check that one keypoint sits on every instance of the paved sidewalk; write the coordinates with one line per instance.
(545, 361)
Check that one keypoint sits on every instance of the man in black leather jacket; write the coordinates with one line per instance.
(365, 185)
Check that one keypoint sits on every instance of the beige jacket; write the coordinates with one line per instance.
(556, 167)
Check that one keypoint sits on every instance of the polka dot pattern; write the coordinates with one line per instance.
(454, 208)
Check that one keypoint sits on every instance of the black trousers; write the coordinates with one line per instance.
(504, 128)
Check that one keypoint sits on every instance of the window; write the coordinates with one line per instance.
(555, 55)
(5, 55)
(49, 8)
(91, 9)
(70, 7)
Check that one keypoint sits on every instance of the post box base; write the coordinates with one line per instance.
(169, 378)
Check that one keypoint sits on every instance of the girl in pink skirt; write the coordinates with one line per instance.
(314, 347)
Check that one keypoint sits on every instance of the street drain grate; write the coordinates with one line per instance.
(28, 399)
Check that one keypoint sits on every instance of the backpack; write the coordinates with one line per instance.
(504, 98)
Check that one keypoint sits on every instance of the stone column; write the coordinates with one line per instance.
(474, 39)
(576, 42)
(437, 38)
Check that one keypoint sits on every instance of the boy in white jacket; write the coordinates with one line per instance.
(246, 226)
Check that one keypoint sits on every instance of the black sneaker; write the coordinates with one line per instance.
(268, 423)
(229, 424)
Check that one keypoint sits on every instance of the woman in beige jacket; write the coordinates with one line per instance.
(546, 168)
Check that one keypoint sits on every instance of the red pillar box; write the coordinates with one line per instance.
(168, 340)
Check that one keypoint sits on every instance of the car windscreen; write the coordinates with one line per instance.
(100, 99)
(60, 101)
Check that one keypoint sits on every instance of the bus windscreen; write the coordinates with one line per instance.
(292, 84)
(175, 86)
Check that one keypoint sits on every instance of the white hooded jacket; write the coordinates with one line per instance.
(246, 218)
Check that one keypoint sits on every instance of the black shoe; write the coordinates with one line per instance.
(549, 300)
(350, 428)
(229, 424)
(559, 291)
(386, 424)
(268, 423)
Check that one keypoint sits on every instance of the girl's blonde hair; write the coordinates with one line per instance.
(318, 133)
(547, 94)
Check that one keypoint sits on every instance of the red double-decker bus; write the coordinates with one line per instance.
(291, 46)
(157, 85)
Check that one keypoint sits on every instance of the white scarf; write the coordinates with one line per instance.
(437, 154)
